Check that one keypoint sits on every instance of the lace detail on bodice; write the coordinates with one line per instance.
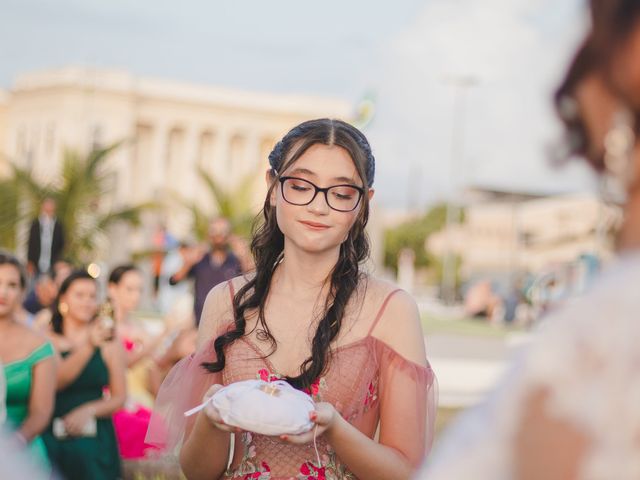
(350, 385)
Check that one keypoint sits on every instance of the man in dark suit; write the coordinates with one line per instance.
(46, 239)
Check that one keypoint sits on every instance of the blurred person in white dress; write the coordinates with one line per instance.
(14, 463)
(175, 300)
(569, 407)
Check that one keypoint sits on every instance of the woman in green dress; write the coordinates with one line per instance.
(28, 365)
(91, 385)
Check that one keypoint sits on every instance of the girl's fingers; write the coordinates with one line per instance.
(214, 417)
(213, 414)
(301, 439)
(212, 390)
(322, 415)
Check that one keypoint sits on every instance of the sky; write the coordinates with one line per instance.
(406, 54)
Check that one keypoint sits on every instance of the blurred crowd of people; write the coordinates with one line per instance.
(525, 298)
(79, 373)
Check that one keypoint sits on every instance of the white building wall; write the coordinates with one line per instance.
(163, 125)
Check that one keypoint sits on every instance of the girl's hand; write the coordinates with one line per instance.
(76, 419)
(213, 414)
(324, 418)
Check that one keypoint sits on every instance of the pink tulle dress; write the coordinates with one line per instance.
(367, 381)
(131, 423)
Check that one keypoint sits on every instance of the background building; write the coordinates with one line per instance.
(169, 130)
(506, 232)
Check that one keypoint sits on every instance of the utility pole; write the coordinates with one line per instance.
(460, 84)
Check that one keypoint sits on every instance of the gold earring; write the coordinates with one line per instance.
(619, 167)
(63, 308)
(618, 145)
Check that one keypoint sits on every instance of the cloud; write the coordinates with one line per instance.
(516, 51)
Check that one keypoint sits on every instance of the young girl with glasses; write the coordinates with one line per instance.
(311, 316)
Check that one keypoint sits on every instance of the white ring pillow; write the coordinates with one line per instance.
(267, 408)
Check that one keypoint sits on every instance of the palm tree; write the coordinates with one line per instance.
(8, 213)
(235, 205)
(83, 191)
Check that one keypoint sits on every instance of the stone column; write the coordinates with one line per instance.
(252, 157)
(188, 166)
(222, 169)
(157, 163)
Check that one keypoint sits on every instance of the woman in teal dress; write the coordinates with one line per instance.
(28, 365)
(91, 385)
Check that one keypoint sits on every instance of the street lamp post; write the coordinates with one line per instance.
(460, 84)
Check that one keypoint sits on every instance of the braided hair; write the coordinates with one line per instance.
(267, 247)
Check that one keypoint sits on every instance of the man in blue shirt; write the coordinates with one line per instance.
(217, 265)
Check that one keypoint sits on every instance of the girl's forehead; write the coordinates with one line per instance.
(82, 285)
(327, 162)
(132, 276)
(7, 270)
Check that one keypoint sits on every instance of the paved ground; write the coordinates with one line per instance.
(468, 366)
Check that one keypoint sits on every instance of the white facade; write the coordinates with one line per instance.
(169, 129)
(527, 234)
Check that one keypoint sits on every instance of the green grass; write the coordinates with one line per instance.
(465, 326)
(444, 417)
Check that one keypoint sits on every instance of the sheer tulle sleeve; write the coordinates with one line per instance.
(408, 397)
(182, 389)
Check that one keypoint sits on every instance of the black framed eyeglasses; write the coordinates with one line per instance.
(342, 198)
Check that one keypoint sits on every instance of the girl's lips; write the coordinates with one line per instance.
(314, 225)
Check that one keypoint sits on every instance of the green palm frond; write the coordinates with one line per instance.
(30, 190)
(234, 204)
(198, 215)
(130, 215)
(9, 213)
(221, 197)
(98, 156)
(81, 187)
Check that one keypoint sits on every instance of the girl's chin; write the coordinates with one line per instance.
(317, 249)
(314, 243)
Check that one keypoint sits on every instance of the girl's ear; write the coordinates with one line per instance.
(370, 193)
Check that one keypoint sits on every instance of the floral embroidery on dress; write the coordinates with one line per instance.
(329, 469)
(371, 395)
(266, 376)
(250, 468)
(309, 471)
(315, 389)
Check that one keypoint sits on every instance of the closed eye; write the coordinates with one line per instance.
(342, 196)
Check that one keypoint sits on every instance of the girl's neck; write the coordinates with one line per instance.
(73, 327)
(305, 273)
(120, 315)
(7, 321)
